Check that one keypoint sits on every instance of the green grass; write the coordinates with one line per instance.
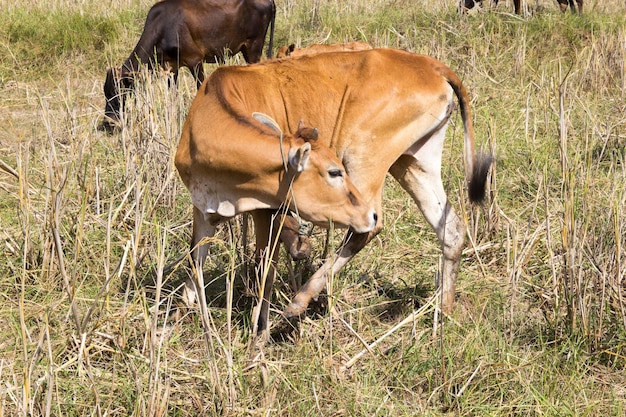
(539, 327)
(36, 42)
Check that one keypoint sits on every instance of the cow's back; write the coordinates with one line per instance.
(359, 101)
(314, 86)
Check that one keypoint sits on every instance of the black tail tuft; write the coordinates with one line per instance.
(477, 184)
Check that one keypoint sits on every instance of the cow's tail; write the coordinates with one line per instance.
(477, 164)
(270, 45)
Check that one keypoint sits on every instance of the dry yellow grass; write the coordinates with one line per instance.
(88, 221)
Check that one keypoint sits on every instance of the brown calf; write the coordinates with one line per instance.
(381, 111)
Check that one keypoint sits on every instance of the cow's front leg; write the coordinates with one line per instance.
(202, 228)
(266, 257)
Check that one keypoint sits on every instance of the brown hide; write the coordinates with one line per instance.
(292, 51)
(380, 111)
(232, 163)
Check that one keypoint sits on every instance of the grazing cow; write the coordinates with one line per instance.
(517, 5)
(320, 48)
(185, 33)
(382, 110)
(234, 161)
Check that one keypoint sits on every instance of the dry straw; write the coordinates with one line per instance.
(95, 231)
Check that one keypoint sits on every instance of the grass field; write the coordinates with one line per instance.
(88, 220)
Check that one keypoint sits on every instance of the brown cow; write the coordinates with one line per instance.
(234, 163)
(517, 5)
(382, 110)
(185, 33)
(320, 48)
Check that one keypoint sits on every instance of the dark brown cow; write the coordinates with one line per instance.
(380, 111)
(186, 33)
(517, 4)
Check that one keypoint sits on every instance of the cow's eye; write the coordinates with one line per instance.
(335, 173)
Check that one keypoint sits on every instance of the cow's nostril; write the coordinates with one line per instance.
(375, 217)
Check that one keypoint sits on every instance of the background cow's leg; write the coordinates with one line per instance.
(197, 71)
(201, 228)
(563, 4)
(266, 257)
(580, 5)
(423, 183)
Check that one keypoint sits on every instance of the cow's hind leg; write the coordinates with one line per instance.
(423, 183)
(563, 4)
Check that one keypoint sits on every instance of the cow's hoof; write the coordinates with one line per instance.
(110, 125)
(294, 310)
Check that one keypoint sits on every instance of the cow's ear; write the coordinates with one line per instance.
(290, 49)
(267, 121)
(299, 158)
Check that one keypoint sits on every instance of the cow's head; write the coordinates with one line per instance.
(115, 86)
(317, 185)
